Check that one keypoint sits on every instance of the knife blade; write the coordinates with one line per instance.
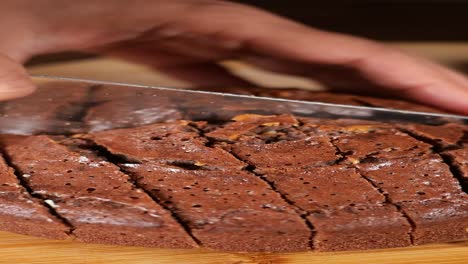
(200, 104)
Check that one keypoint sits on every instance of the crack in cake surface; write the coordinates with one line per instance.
(415, 179)
(303, 214)
(20, 175)
(93, 195)
(251, 169)
(440, 150)
(237, 203)
(335, 194)
(297, 159)
(123, 164)
(377, 188)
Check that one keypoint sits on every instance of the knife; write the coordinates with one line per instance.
(201, 104)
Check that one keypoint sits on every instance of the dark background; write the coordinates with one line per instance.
(388, 20)
(391, 20)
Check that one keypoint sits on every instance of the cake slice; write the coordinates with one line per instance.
(438, 220)
(270, 142)
(382, 144)
(20, 213)
(286, 154)
(226, 210)
(171, 143)
(426, 191)
(360, 227)
(325, 187)
(442, 136)
(413, 178)
(93, 195)
(347, 212)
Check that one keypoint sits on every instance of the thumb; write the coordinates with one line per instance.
(14, 80)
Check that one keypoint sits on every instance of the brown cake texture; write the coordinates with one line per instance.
(153, 172)
(97, 200)
(21, 213)
(223, 205)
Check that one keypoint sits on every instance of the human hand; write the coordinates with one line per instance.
(188, 39)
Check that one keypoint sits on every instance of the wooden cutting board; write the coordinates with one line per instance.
(25, 249)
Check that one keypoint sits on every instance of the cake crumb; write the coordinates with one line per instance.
(51, 203)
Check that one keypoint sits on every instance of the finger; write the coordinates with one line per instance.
(14, 80)
(452, 98)
(200, 73)
(345, 79)
(194, 46)
(418, 79)
(206, 76)
(386, 68)
(334, 77)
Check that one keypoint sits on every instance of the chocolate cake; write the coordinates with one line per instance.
(154, 172)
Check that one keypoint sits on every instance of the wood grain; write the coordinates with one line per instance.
(25, 249)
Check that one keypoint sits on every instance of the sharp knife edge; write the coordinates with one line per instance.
(263, 99)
